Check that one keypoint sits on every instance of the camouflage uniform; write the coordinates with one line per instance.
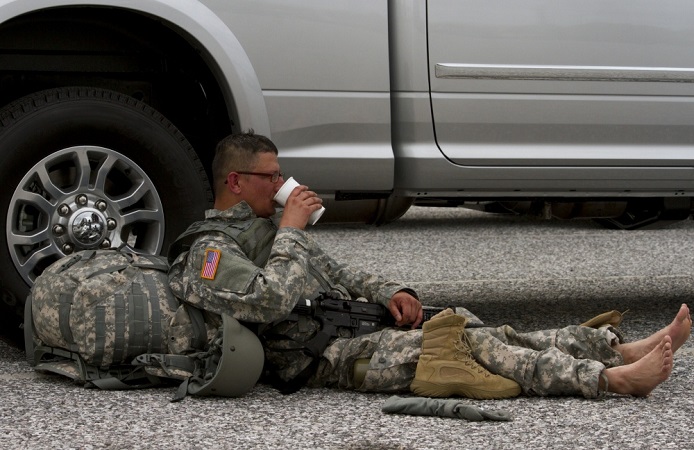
(297, 268)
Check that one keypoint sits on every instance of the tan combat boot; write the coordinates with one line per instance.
(447, 368)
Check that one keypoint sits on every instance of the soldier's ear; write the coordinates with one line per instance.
(232, 183)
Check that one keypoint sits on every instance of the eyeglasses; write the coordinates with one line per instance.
(274, 176)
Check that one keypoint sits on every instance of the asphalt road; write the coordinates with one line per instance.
(527, 272)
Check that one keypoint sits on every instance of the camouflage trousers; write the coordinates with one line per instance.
(566, 361)
(392, 356)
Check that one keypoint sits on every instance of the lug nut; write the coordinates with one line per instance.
(81, 199)
(68, 248)
(63, 210)
(101, 205)
(58, 230)
(105, 244)
(111, 223)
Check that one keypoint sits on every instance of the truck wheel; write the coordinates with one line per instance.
(86, 168)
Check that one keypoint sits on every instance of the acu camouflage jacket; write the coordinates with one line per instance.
(217, 276)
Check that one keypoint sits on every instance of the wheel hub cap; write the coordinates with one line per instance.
(88, 227)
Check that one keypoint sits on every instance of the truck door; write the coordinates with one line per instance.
(562, 83)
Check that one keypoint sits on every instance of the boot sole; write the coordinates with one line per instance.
(426, 389)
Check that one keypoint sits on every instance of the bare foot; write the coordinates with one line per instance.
(678, 330)
(641, 377)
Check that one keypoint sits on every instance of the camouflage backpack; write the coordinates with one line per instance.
(90, 314)
(102, 318)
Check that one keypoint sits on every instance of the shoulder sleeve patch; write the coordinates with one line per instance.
(209, 267)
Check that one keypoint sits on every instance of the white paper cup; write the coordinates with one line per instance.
(286, 189)
(283, 194)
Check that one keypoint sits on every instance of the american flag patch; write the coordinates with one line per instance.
(209, 269)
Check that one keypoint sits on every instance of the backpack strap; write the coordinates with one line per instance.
(109, 269)
(29, 332)
(197, 321)
(119, 324)
(64, 308)
(166, 361)
(155, 262)
(138, 315)
(70, 364)
(131, 378)
(155, 333)
(86, 255)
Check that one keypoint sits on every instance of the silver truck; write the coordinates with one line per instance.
(110, 111)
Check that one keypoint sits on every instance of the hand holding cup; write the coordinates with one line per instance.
(283, 194)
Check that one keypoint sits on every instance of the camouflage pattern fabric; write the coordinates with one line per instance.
(297, 268)
(392, 354)
(105, 305)
(567, 361)
(551, 362)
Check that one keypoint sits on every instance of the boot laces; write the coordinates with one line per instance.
(463, 353)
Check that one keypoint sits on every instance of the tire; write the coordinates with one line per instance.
(88, 168)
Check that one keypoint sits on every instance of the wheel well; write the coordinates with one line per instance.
(119, 50)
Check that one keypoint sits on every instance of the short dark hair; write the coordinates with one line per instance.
(238, 152)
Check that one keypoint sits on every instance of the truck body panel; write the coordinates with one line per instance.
(110, 111)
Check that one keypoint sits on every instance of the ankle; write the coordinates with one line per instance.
(613, 380)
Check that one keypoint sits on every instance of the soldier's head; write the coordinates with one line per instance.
(245, 168)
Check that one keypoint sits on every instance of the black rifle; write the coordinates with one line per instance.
(346, 318)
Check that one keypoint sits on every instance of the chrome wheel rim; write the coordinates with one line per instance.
(82, 197)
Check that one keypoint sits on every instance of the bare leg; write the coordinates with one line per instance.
(678, 331)
(641, 377)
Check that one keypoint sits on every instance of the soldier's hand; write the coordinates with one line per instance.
(405, 309)
(300, 204)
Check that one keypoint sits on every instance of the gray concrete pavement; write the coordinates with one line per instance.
(531, 273)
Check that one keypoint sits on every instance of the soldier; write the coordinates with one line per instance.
(260, 275)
